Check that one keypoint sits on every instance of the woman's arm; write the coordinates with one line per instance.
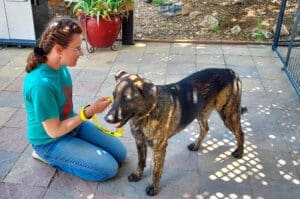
(56, 128)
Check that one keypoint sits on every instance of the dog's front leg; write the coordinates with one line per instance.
(159, 154)
(142, 155)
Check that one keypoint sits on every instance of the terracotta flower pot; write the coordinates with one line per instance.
(102, 34)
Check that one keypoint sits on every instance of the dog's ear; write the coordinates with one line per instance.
(120, 74)
(147, 89)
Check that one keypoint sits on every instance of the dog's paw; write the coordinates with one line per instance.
(133, 178)
(193, 147)
(151, 190)
(237, 154)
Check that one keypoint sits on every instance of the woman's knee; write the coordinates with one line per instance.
(106, 174)
(121, 154)
(102, 172)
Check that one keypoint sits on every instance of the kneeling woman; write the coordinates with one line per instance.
(58, 135)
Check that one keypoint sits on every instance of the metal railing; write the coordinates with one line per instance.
(291, 57)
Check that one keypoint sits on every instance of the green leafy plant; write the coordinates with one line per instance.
(158, 2)
(102, 8)
(214, 28)
(259, 32)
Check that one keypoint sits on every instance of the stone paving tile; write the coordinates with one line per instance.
(18, 119)
(17, 62)
(268, 67)
(106, 89)
(171, 78)
(121, 187)
(98, 60)
(6, 113)
(174, 185)
(250, 99)
(201, 66)
(262, 51)
(12, 71)
(129, 58)
(90, 75)
(175, 68)
(293, 142)
(154, 59)
(82, 101)
(138, 48)
(74, 72)
(7, 160)
(12, 190)
(235, 50)
(13, 139)
(260, 118)
(210, 59)
(5, 81)
(209, 49)
(218, 185)
(12, 52)
(282, 93)
(183, 49)
(16, 85)
(67, 186)
(266, 164)
(182, 59)
(11, 99)
(268, 139)
(128, 67)
(29, 171)
(245, 71)
(86, 88)
(251, 85)
(176, 151)
(158, 48)
(156, 76)
(239, 60)
(215, 157)
(296, 160)
(270, 189)
(3, 60)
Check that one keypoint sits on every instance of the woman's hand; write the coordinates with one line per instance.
(98, 106)
(56, 128)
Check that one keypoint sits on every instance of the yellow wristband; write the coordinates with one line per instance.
(82, 114)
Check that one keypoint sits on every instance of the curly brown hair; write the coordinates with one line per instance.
(59, 31)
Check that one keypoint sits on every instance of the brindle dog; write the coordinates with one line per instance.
(157, 112)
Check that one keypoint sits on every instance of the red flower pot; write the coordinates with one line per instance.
(102, 34)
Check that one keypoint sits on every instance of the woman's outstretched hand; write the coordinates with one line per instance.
(98, 106)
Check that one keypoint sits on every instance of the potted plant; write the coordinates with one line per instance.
(101, 19)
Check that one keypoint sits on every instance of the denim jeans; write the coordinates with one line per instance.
(85, 152)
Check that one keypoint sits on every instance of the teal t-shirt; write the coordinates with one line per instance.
(47, 94)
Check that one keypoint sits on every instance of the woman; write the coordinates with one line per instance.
(58, 135)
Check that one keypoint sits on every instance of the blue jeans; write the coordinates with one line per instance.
(85, 152)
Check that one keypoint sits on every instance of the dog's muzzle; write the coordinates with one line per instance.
(110, 118)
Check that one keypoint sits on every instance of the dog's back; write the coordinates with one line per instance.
(196, 91)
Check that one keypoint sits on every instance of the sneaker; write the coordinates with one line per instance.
(37, 157)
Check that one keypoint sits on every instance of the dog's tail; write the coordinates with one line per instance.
(244, 109)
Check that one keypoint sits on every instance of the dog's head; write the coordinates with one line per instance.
(134, 96)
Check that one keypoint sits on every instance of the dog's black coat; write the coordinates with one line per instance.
(183, 91)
